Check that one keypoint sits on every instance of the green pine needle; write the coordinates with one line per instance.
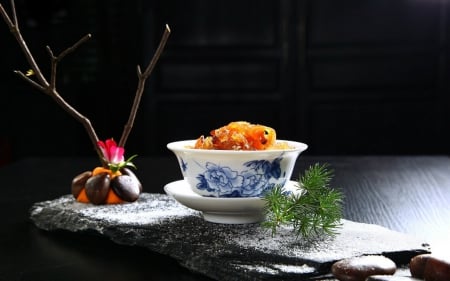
(316, 209)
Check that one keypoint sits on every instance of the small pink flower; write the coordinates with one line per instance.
(112, 153)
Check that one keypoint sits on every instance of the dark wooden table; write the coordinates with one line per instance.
(409, 194)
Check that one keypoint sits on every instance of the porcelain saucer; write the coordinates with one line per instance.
(237, 210)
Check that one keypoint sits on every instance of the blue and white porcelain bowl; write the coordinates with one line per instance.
(232, 173)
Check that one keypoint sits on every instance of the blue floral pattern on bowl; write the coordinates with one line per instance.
(253, 181)
(234, 173)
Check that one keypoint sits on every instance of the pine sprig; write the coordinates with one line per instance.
(315, 209)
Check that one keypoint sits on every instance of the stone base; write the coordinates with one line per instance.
(222, 251)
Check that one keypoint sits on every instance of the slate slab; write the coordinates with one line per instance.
(222, 251)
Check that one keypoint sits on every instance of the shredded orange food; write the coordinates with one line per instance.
(112, 198)
(241, 135)
(99, 170)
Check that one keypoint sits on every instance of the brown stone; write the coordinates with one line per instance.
(79, 182)
(128, 172)
(359, 268)
(126, 187)
(437, 269)
(97, 188)
(430, 267)
(417, 265)
(391, 278)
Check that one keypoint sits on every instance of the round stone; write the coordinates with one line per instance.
(430, 267)
(79, 182)
(391, 278)
(126, 187)
(359, 268)
(417, 265)
(128, 172)
(97, 188)
(437, 269)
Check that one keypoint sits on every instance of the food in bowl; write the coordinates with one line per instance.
(240, 135)
(236, 172)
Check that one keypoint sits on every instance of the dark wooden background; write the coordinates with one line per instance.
(345, 77)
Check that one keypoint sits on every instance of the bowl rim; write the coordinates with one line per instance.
(181, 146)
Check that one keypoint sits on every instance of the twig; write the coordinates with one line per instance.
(141, 84)
(42, 83)
(14, 29)
(50, 88)
(55, 60)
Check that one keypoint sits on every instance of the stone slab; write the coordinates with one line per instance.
(222, 251)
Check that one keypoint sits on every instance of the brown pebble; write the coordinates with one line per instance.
(437, 269)
(417, 265)
(79, 182)
(128, 172)
(391, 278)
(359, 268)
(97, 188)
(126, 187)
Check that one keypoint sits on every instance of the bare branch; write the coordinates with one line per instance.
(29, 80)
(50, 89)
(14, 28)
(55, 60)
(74, 46)
(54, 64)
(41, 84)
(49, 51)
(138, 70)
(141, 85)
(6, 17)
(13, 7)
(158, 52)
